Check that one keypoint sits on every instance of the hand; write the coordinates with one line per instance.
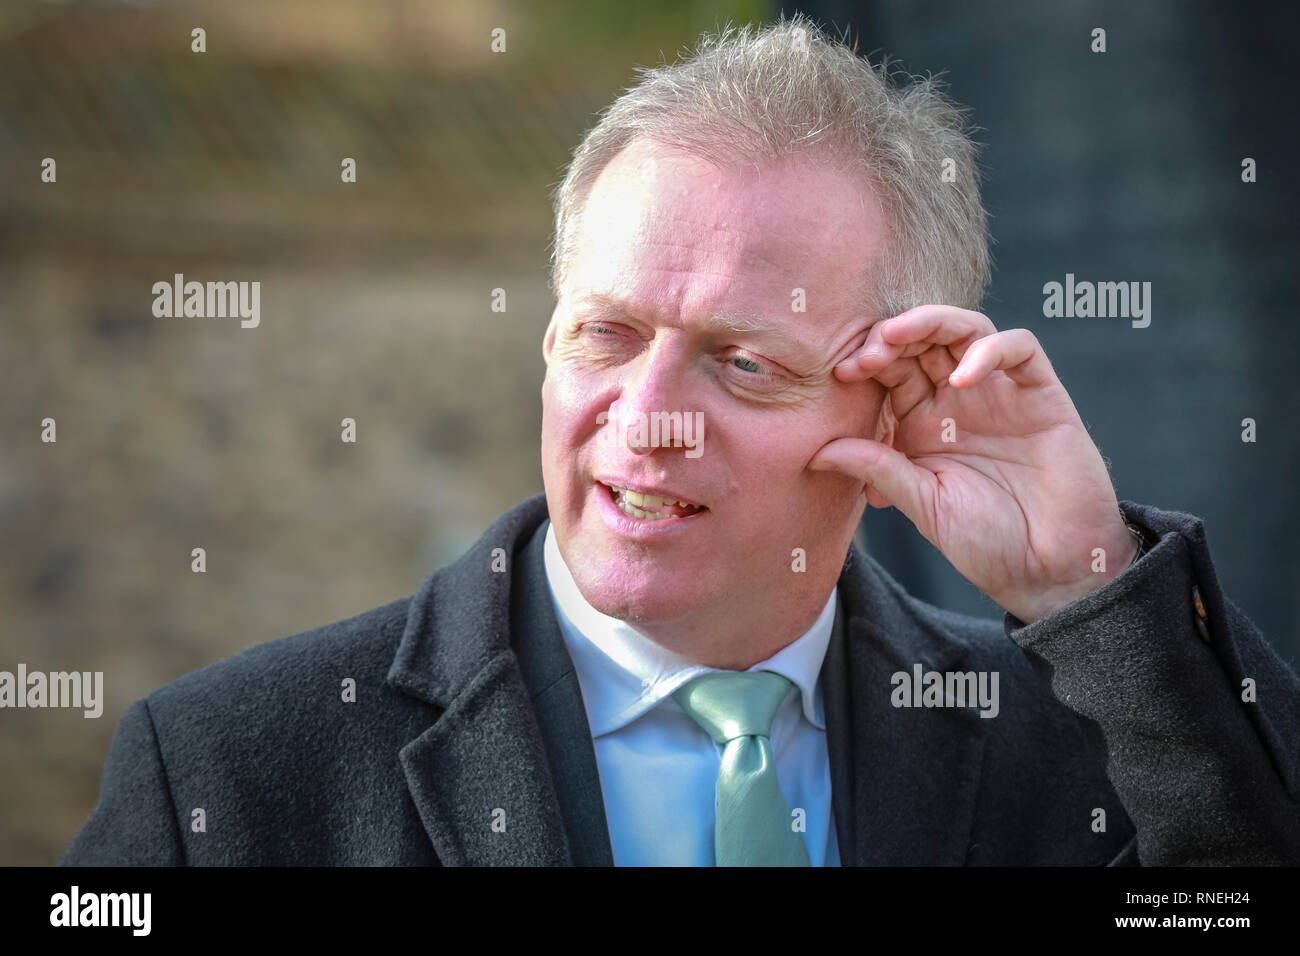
(989, 458)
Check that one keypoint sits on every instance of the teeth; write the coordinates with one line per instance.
(646, 506)
(635, 512)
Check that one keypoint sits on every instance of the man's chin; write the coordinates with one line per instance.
(640, 601)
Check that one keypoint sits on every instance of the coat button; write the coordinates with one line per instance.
(1201, 616)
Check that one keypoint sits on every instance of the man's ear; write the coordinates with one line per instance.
(886, 423)
(548, 339)
(886, 432)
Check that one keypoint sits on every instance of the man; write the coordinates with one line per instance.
(767, 262)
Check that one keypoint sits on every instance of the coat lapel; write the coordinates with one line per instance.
(479, 776)
(556, 696)
(510, 746)
(904, 780)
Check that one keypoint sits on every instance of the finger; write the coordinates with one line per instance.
(1016, 352)
(876, 499)
(938, 363)
(908, 385)
(937, 324)
(874, 356)
(893, 477)
(914, 332)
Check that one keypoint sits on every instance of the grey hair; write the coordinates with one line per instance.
(755, 95)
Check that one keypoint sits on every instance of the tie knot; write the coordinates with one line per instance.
(731, 704)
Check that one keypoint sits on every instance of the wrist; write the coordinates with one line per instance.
(1127, 540)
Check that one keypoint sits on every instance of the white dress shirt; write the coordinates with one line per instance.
(658, 768)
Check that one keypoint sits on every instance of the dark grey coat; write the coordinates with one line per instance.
(468, 713)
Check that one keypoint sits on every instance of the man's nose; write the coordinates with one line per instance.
(652, 390)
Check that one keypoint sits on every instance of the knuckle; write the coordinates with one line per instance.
(1028, 338)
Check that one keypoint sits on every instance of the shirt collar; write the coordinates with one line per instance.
(623, 673)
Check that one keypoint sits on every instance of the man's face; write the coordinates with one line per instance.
(669, 248)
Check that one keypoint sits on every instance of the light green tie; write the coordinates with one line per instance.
(754, 823)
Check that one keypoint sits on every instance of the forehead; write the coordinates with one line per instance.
(674, 234)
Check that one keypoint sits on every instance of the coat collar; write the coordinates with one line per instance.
(479, 776)
(510, 746)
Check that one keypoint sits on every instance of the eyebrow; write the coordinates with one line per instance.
(736, 321)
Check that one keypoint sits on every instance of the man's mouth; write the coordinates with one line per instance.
(650, 507)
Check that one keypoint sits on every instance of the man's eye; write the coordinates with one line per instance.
(601, 330)
(747, 364)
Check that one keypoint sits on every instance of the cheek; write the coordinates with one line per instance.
(778, 467)
(792, 443)
(856, 412)
(570, 406)
(557, 431)
(566, 406)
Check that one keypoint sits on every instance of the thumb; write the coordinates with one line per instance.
(890, 473)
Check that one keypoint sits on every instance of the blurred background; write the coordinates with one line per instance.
(376, 300)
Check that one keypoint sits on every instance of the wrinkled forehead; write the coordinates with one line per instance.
(661, 222)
